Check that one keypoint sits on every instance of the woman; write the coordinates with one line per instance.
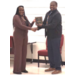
(21, 27)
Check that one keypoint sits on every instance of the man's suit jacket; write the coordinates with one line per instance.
(54, 27)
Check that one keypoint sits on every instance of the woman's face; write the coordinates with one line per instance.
(21, 11)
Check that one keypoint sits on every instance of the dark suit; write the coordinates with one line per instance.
(53, 31)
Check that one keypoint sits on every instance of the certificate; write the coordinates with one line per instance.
(38, 20)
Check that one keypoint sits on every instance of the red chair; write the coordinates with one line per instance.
(45, 52)
(11, 45)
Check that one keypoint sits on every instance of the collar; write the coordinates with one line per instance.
(53, 10)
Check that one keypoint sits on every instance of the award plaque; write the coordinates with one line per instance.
(38, 20)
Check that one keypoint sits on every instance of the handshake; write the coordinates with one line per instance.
(36, 28)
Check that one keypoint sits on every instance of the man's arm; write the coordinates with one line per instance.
(54, 23)
(44, 23)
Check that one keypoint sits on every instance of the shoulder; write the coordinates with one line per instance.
(58, 13)
(16, 17)
(47, 12)
(26, 18)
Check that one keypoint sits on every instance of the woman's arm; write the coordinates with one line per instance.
(17, 23)
(30, 24)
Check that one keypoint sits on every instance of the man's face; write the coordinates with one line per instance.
(53, 6)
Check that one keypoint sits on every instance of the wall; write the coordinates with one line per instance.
(35, 8)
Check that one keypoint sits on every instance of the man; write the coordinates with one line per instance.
(53, 31)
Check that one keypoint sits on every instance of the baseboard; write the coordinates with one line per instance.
(36, 61)
(42, 61)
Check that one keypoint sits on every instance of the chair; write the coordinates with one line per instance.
(45, 52)
(11, 45)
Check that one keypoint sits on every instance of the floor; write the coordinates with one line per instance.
(33, 69)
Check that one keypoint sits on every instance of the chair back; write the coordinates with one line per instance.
(11, 45)
(46, 44)
(61, 42)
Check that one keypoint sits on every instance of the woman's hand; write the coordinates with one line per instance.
(34, 20)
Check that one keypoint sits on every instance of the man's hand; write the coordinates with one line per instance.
(39, 25)
(34, 29)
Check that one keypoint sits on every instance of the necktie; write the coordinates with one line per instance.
(47, 20)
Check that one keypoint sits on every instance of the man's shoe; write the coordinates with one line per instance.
(25, 71)
(50, 69)
(56, 72)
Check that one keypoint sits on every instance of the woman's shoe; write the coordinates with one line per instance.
(25, 71)
(17, 72)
